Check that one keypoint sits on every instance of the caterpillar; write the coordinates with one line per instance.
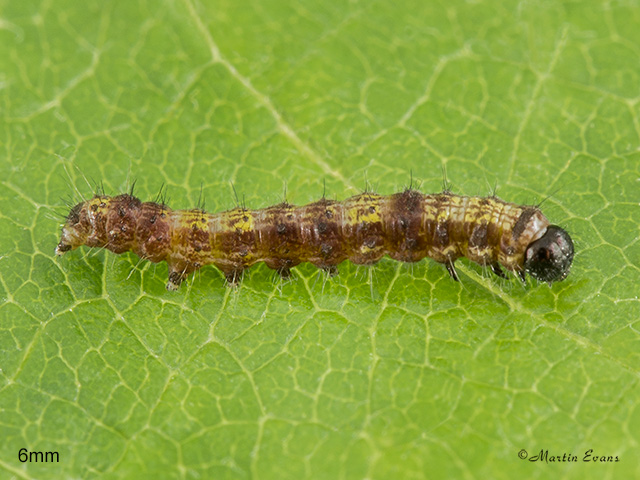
(406, 226)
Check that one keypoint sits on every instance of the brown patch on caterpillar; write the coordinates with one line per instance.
(522, 222)
(407, 226)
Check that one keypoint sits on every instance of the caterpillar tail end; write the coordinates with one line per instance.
(62, 248)
(75, 231)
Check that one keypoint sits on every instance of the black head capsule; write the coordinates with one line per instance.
(549, 258)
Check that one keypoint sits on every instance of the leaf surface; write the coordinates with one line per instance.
(389, 372)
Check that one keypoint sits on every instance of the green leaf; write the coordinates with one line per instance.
(390, 372)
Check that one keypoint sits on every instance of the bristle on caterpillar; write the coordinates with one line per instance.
(406, 226)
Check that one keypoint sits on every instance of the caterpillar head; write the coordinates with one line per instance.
(549, 258)
(75, 231)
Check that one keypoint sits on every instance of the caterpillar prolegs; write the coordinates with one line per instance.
(407, 226)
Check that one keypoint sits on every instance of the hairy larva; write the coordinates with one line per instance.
(407, 226)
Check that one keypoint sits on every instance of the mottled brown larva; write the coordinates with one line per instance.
(406, 226)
